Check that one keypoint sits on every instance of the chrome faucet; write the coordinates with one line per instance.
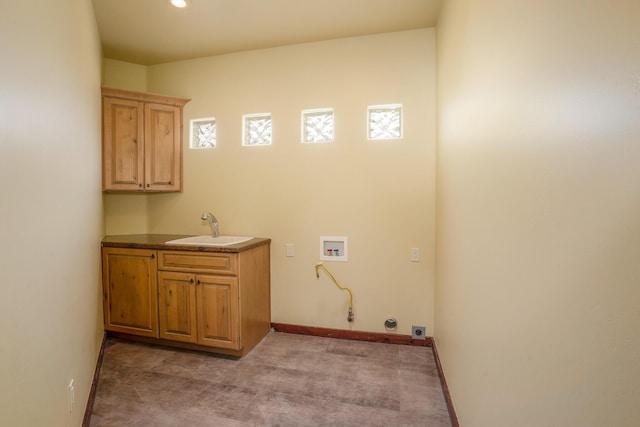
(213, 223)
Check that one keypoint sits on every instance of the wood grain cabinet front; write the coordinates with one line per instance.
(141, 141)
(200, 309)
(177, 306)
(218, 319)
(218, 302)
(130, 291)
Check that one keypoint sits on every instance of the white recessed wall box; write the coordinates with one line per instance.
(334, 248)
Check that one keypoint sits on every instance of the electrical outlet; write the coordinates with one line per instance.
(419, 332)
(415, 254)
(72, 395)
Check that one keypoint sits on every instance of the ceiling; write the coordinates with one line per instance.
(150, 32)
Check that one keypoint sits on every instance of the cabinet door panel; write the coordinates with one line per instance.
(123, 144)
(131, 300)
(163, 145)
(177, 306)
(218, 311)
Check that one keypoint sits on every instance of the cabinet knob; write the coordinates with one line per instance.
(152, 256)
(140, 185)
(148, 185)
(191, 281)
(198, 281)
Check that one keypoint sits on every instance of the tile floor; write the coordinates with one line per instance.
(287, 380)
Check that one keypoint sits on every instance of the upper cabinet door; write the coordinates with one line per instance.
(123, 144)
(163, 147)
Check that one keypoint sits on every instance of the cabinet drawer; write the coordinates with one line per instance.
(218, 263)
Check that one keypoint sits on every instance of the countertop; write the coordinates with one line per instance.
(157, 241)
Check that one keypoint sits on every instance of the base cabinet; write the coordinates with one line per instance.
(217, 302)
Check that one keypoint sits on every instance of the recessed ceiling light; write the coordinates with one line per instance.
(179, 3)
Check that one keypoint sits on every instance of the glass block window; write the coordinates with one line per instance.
(317, 125)
(203, 133)
(256, 129)
(384, 121)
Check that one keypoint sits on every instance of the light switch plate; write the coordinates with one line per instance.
(290, 250)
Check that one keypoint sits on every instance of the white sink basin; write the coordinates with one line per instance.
(209, 240)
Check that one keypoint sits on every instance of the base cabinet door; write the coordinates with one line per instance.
(130, 291)
(177, 306)
(217, 311)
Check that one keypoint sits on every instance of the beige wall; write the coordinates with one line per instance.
(51, 218)
(379, 194)
(124, 75)
(125, 213)
(537, 299)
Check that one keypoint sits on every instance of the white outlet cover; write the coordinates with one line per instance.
(419, 332)
(290, 249)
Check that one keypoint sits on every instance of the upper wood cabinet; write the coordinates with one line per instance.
(141, 141)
